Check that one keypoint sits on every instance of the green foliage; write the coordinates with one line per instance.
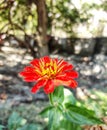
(46, 110)
(69, 97)
(16, 122)
(65, 124)
(29, 127)
(58, 95)
(65, 14)
(54, 118)
(1, 127)
(80, 115)
(13, 20)
(96, 102)
(66, 114)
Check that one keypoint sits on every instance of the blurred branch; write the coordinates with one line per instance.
(5, 7)
(8, 2)
(12, 23)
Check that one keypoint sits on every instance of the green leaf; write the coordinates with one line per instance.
(57, 96)
(54, 118)
(69, 97)
(67, 125)
(51, 119)
(1, 127)
(15, 121)
(29, 127)
(80, 115)
(54, 114)
(45, 111)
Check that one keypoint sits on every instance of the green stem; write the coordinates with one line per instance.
(51, 98)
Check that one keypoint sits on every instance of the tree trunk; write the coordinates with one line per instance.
(42, 27)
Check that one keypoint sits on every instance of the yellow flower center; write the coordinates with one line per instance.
(49, 70)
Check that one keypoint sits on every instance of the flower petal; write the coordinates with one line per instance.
(29, 69)
(38, 86)
(35, 62)
(30, 79)
(72, 74)
(70, 83)
(73, 84)
(61, 63)
(58, 82)
(67, 67)
(46, 59)
(49, 87)
(64, 66)
(25, 74)
(29, 76)
(62, 77)
(34, 89)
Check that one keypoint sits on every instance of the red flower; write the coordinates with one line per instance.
(49, 73)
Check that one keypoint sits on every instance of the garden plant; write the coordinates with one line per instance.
(52, 75)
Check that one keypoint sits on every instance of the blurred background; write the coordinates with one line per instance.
(75, 30)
